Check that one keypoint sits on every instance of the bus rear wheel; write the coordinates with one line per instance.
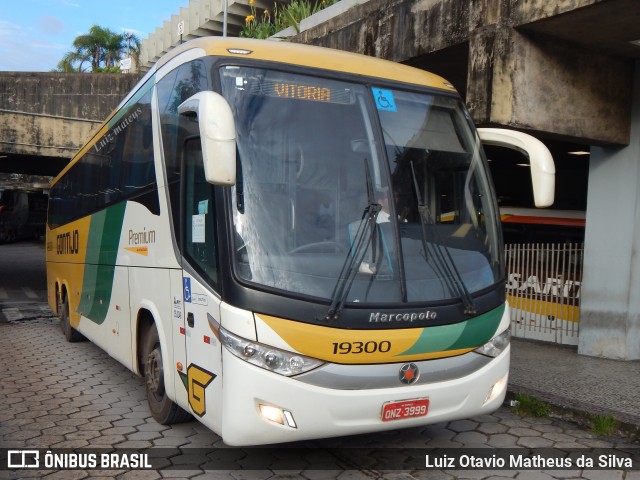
(70, 333)
(163, 409)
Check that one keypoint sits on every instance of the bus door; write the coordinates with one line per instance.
(201, 315)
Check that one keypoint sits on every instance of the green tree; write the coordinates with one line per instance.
(99, 50)
(132, 46)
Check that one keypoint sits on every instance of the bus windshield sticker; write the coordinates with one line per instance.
(384, 100)
(203, 207)
(197, 229)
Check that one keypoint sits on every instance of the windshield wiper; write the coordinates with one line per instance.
(442, 259)
(367, 231)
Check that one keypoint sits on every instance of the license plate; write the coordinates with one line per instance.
(405, 409)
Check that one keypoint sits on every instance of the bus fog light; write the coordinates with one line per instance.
(273, 414)
(497, 388)
(277, 415)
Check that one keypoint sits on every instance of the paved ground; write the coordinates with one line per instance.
(577, 383)
(60, 395)
(22, 273)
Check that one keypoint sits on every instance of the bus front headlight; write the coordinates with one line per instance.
(496, 345)
(267, 357)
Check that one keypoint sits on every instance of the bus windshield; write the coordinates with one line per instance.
(356, 194)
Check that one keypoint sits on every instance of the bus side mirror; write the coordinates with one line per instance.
(543, 170)
(217, 135)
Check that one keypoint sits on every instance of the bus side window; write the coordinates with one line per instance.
(172, 90)
(200, 242)
(137, 166)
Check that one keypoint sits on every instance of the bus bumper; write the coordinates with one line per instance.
(317, 412)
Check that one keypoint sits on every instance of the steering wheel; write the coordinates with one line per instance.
(320, 247)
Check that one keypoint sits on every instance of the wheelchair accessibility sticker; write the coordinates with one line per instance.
(187, 289)
(384, 100)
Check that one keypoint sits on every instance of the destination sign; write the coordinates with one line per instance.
(298, 91)
(302, 92)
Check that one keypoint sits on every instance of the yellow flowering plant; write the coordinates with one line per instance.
(260, 25)
(265, 25)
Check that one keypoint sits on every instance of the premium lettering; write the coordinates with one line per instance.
(142, 238)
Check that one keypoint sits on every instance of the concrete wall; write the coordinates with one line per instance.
(610, 292)
(396, 30)
(52, 114)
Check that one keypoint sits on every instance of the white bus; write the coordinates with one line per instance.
(263, 231)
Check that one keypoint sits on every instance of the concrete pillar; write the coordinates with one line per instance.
(610, 296)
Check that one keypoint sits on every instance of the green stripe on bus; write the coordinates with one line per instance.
(471, 333)
(102, 250)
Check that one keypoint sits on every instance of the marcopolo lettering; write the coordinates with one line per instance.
(68, 243)
(402, 317)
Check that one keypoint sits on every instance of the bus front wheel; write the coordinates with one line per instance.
(70, 333)
(163, 409)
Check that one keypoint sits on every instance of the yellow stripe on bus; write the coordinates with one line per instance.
(570, 313)
(144, 250)
(357, 346)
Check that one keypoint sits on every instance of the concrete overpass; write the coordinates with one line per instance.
(46, 117)
(560, 69)
(198, 19)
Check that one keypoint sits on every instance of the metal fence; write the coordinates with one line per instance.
(543, 289)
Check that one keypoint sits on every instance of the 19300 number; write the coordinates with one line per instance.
(344, 348)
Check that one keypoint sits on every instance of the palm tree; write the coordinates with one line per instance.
(114, 46)
(102, 48)
(133, 46)
(91, 46)
(67, 64)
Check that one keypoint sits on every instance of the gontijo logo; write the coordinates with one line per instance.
(68, 243)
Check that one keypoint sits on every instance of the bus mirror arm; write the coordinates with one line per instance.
(217, 134)
(543, 170)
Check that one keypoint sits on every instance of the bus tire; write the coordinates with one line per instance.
(163, 409)
(70, 333)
